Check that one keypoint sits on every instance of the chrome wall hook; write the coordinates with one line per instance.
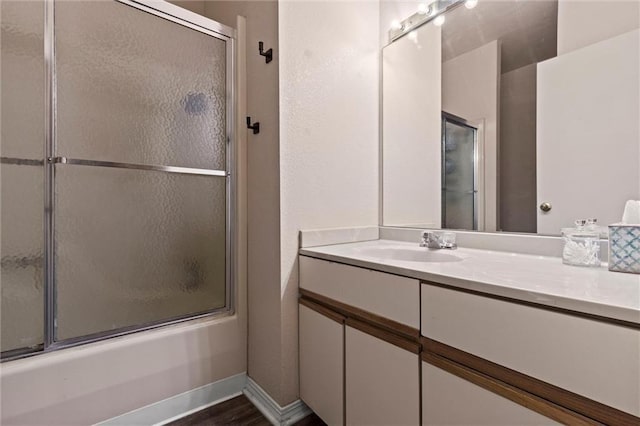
(268, 55)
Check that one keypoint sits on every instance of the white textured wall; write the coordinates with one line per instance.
(584, 22)
(411, 129)
(328, 135)
(470, 89)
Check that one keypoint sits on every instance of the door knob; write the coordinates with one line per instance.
(545, 207)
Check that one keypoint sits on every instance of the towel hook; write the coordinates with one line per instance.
(255, 127)
(268, 55)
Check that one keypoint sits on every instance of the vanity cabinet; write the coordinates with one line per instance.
(382, 381)
(359, 344)
(322, 361)
(381, 349)
(448, 399)
(572, 357)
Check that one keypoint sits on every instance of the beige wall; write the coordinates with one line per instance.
(584, 22)
(329, 136)
(518, 208)
(470, 90)
(263, 180)
(196, 6)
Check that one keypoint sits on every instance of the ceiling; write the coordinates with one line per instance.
(527, 29)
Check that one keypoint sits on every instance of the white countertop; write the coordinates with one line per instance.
(538, 279)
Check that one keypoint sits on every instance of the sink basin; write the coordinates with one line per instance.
(409, 255)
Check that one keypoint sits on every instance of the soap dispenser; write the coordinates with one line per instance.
(581, 244)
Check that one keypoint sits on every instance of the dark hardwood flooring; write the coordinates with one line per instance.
(236, 411)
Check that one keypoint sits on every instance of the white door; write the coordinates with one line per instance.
(588, 138)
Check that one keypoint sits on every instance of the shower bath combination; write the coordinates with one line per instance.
(116, 167)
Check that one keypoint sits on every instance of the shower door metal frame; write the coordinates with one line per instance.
(448, 117)
(179, 16)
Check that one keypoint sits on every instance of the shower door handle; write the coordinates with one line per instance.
(149, 167)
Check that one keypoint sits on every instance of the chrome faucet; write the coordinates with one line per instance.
(438, 240)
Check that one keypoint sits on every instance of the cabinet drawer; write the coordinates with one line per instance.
(597, 360)
(389, 296)
(449, 400)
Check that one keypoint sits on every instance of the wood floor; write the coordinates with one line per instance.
(237, 411)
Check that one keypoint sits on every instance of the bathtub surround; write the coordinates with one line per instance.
(118, 375)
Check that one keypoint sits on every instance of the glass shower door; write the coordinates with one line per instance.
(459, 174)
(115, 172)
(141, 183)
(22, 176)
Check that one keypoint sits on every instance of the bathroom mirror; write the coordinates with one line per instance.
(511, 115)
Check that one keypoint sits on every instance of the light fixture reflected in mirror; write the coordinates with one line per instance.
(470, 4)
(426, 12)
(424, 9)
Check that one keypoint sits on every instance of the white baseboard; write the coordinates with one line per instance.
(277, 415)
(186, 403)
(178, 406)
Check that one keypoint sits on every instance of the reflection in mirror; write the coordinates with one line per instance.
(507, 105)
(459, 173)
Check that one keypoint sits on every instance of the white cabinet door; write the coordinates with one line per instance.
(597, 360)
(382, 382)
(449, 400)
(322, 365)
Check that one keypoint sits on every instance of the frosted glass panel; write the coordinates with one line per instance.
(458, 212)
(134, 247)
(458, 176)
(136, 88)
(22, 258)
(459, 157)
(23, 78)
